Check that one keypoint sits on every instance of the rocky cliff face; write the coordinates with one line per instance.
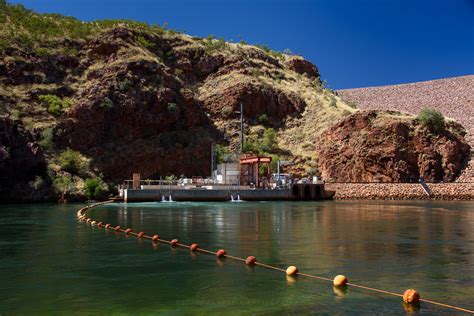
(147, 100)
(376, 146)
(21, 161)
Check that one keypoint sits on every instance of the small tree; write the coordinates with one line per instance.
(47, 139)
(431, 118)
(249, 147)
(94, 188)
(72, 161)
(221, 152)
(263, 119)
(107, 103)
(269, 141)
(63, 185)
(55, 104)
(171, 108)
(38, 183)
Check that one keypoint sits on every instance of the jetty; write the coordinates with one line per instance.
(208, 193)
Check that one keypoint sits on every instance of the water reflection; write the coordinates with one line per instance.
(48, 259)
(392, 243)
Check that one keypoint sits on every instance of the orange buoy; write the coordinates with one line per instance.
(411, 296)
(340, 280)
(291, 270)
(194, 247)
(117, 228)
(250, 260)
(128, 231)
(155, 237)
(221, 253)
(174, 242)
(100, 224)
(141, 234)
(107, 226)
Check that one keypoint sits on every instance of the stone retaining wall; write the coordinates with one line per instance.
(402, 191)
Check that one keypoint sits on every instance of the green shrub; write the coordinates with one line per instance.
(169, 55)
(262, 168)
(73, 161)
(70, 51)
(124, 85)
(263, 47)
(171, 178)
(47, 139)
(221, 153)
(431, 118)
(278, 77)
(38, 183)
(15, 113)
(4, 44)
(95, 188)
(54, 104)
(332, 102)
(145, 43)
(256, 72)
(63, 185)
(263, 119)
(249, 147)
(42, 51)
(211, 44)
(171, 108)
(272, 53)
(269, 143)
(107, 103)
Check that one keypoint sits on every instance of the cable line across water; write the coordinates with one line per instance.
(409, 297)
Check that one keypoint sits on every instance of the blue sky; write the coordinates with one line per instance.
(354, 43)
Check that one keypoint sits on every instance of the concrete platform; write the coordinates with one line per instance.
(298, 192)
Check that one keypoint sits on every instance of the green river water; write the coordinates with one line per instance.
(52, 264)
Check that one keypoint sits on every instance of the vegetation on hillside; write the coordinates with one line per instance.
(431, 118)
(30, 28)
(293, 104)
(54, 104)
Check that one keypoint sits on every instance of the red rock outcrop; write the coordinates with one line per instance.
(376, 147)
(256, 99)
(138, 121)
(453, 97)
(302, 66)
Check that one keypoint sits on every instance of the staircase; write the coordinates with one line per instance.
(425, 187)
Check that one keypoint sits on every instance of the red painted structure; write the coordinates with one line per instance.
(249, 169)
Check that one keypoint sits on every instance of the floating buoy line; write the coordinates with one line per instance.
(410, 297)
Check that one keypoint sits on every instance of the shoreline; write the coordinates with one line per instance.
(454, 191)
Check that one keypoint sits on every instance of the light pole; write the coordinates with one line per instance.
(212, 160)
